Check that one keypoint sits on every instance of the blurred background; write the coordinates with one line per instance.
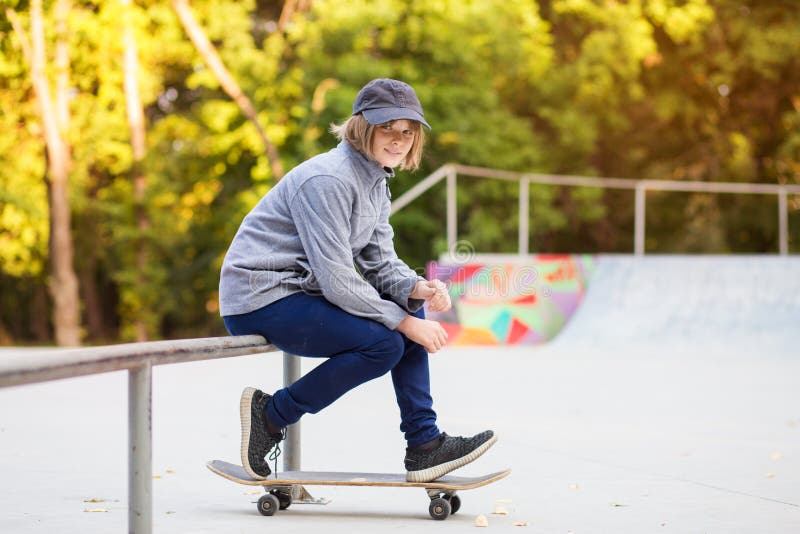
(135, 135)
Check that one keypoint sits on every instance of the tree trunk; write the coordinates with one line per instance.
(39, 327)
(62, 65)
(136, 124)
(226, 81)
(92, 301)
(5, 338)
(290, 8)
(64, 282)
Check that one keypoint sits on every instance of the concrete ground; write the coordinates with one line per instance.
(630, 444)
(670, 403)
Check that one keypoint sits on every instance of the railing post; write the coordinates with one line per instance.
(524, 217)
(452, 230)
(638, 246)
(140, 450)
(783, 223)
(291, 447)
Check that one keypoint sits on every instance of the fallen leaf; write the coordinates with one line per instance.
(481, 521)
(500, 510)
(770, 475)
(170, 471)
(95, 510)
(776, 456)
(94, 500)
(617, 504)
(574, 487)
(156, 476)
(520, 524)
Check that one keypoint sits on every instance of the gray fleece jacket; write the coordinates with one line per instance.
(323, 230)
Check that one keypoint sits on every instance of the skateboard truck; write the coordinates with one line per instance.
(282, 497)
(300, 495)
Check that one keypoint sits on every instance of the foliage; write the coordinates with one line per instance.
(658, 89)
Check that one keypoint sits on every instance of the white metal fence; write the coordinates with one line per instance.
(450, 172)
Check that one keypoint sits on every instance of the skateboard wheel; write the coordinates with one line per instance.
(439, 509)
(284, 498)
(268, 504)
(455, 504)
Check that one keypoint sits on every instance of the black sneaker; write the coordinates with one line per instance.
(256, 440)
(449, 454)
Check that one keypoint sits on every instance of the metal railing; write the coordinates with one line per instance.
(138, 359)
(450, 171)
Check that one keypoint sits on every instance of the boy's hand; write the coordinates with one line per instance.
(429, 334)
(435, 292)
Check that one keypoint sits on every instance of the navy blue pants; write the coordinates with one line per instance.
(357, 349)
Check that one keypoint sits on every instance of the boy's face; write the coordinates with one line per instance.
(391, 142)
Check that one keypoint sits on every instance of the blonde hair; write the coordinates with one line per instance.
(357, 131)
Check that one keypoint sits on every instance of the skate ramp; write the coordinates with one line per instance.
(500, 299)
(715, 304)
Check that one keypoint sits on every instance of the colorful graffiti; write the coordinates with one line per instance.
(521, 301)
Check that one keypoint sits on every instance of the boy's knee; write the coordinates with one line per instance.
(386, 352)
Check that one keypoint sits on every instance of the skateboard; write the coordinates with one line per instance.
(442, 491)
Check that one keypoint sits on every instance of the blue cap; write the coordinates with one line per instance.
(384, 100)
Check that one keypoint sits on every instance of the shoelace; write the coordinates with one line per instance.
(277, 452)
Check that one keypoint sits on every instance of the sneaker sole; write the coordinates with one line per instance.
(245, 411)
(432, 473)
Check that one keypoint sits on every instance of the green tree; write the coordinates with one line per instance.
(695, 99)
(657, 89)
(53, 114)
(462, 58)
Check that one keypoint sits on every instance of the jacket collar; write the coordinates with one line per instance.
(365, 166)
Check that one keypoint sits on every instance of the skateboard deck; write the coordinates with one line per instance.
(441, 491)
